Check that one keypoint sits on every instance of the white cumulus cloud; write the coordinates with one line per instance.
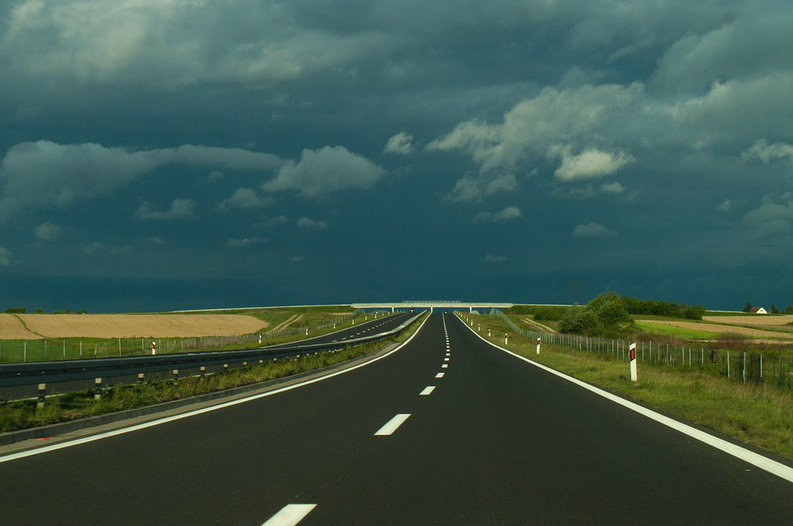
(244, 198)
(179, 209)
(589, 164)
(245, 242)
(47, 232)
(324, 171)
(768, 152)
(592, 231)
(507, 214)
(6, 257)
(306, 223)
(44, 173)
(401, 143)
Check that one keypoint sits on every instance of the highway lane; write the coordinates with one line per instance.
(495, 442)
(18, 387)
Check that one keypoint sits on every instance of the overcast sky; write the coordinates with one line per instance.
(165, 154)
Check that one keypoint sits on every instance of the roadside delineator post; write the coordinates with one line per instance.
(42, 394)
(506, 339)
(141, 377)
(488, 333)
(538, 346)
(634, 373)
(260, 339)
(153, 347)
(97, 388)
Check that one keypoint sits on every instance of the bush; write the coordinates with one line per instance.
(549, 313)
(15, 310)
(603, 316)
(579, 320)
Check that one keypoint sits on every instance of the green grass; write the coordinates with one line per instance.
(26, 413)
(673, 331)
(760, 415)
(318, 321)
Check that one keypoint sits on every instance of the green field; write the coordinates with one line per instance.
(673, 331)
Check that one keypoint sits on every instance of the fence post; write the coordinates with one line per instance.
(728, 364)
(743, 372)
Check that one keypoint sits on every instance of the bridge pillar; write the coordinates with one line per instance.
(470, 308)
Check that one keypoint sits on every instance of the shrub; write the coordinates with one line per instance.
(15, 310)
(549, 313)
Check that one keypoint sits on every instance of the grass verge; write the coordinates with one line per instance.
(23, 414)
(757, 415)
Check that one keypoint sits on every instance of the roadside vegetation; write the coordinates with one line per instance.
(24, 414)
(285, 325)
(756, 413)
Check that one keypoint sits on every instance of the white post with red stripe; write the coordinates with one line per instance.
(153, 347)
(634, 372)
(538, 346)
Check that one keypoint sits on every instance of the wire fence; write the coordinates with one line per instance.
(772, 368)
(13, 351)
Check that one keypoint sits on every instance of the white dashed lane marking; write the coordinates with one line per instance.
(439, 375)
(392, 425)
(427, 390)
(290, 515)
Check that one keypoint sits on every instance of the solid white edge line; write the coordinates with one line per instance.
(138, 427)
(392, 425)
(427, 390)
(290, 515)
(756, 459)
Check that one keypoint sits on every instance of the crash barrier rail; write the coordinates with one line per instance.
(86, 348)
(31, 372)
(772, 368)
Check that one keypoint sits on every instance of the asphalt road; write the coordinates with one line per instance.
(58, 382)
(496, 441)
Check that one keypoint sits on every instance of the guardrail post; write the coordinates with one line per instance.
(42, 395)
(97, 388)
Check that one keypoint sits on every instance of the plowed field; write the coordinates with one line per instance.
(37, 326)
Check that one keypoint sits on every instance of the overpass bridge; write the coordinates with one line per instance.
(433, 304)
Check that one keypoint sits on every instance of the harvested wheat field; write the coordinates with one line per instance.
(36, 326)
(11, 328)
(758, 320)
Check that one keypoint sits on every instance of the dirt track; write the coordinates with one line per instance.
(37, 326)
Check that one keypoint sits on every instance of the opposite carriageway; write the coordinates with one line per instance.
(20, 380)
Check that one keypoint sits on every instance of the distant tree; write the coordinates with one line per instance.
(38, 311)
(15, 310)
(774, 310)
(789, 309)
(747, 307)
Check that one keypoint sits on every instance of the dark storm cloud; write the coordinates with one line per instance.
(620, 128)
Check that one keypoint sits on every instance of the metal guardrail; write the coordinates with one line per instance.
(117, 366)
